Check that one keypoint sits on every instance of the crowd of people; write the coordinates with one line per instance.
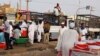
(67, 36)
(11, 31)
(66, 40)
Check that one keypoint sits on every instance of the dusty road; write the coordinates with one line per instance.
(37, 49)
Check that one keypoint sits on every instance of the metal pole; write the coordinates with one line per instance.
(79, 3)
(27, 3)
(90, 11)
(20, 3)
(77, 12)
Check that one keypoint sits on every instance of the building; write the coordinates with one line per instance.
(91, 21)
(6, 8)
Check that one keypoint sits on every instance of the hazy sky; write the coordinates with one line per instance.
(69, 7)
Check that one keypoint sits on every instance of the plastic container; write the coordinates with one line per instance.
(24, 33)
(2, 45)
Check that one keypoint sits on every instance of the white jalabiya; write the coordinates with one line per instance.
(11, 29)
(56, 12)
(23, 24)
(31, 29)
(62, 30)
(67, 41)
(83, 32)
(40, 30)
(60, 34)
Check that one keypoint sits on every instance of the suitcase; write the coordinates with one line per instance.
(2, 45)
(21, 41)
(2, 37)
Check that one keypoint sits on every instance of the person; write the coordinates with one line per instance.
(23, 24)
(31, 29)
(17, 32)
(24, 27)
(83, 32)
(40, 30)
(46, 28)
(62, 29)
(7, 34)
(11, 29)
(67, 40)
(1, 22)
(57, 10)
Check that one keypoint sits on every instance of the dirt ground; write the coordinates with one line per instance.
(37, 49)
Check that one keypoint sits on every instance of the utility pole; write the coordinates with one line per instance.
(20, 4)
(27, 8)
(17, 6)
(27, 4)
(79, 2)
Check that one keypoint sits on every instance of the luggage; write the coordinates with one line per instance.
(2, 45)
(2, 37)
(21, 41)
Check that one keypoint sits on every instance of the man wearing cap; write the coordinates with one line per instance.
(31, 29)
(40, 31)
(62, 29)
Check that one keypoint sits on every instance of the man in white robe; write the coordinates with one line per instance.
(67, 40)
(40, 30)
(83, 32)
(61, 30)
(31, 29)
(23, 27)
(11, 30)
